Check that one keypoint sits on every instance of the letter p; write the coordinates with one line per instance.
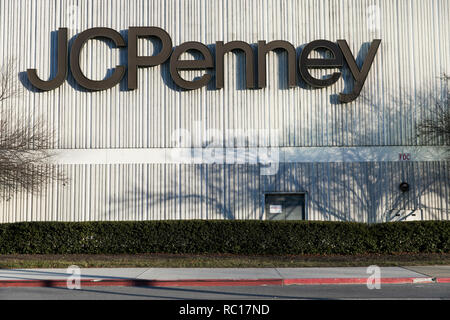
(135, 61)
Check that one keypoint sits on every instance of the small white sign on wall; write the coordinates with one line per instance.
(276, 208)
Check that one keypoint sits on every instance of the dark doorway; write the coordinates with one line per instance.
(285, 206)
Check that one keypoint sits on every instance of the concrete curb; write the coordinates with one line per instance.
(213, 282)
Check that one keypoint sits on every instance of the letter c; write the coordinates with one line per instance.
(82, 38)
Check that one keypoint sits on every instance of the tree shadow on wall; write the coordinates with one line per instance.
(351, 190)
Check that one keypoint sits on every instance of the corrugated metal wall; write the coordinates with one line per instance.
(366, 192)
(398, 92)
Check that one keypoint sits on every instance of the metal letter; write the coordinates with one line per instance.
(335, 62)
(78, 44)
(176, 65)
(61, 74)
(263, 48)
(135, 61)
(221, 49)
(359, 75)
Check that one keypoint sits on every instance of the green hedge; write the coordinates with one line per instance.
(236, 237)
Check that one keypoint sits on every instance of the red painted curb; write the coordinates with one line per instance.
(210, 282)
(315, 281)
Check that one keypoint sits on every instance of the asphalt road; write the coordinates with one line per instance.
(387, 291)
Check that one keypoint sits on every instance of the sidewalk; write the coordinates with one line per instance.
(219, 276)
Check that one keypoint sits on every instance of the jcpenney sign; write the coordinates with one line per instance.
(340, 51)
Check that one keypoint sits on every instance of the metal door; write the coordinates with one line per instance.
(285, 206)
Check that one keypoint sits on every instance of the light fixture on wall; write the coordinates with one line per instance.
(404, 186)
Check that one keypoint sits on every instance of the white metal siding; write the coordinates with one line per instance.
(414, 52)
(358, 191)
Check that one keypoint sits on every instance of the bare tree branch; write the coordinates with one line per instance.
(8, 86)
(25, 144)
(437, 126)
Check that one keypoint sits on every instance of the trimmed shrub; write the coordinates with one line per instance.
(218, 236)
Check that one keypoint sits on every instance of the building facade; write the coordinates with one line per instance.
(236, 149)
